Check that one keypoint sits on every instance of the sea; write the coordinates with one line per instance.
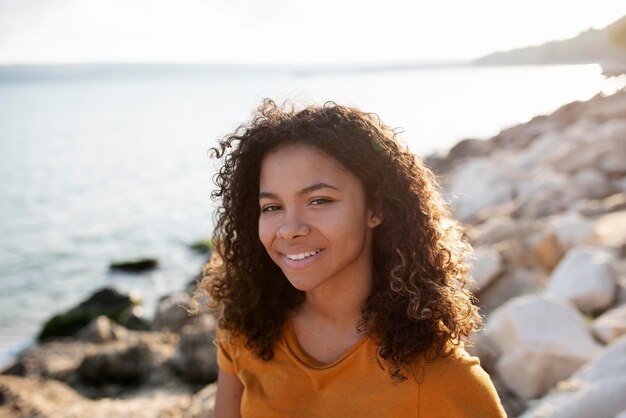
(100, 163)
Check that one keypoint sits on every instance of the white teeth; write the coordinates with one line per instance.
(301, 256)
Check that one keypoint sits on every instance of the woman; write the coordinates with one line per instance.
(339, 275)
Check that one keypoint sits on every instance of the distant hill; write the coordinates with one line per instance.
(605, 46)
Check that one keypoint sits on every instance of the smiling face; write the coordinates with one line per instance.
(315, 222)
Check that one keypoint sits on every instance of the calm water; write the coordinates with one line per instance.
(98, 168)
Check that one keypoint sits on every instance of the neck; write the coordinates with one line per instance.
(339, 306)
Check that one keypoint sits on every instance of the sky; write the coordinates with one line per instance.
(286, 31)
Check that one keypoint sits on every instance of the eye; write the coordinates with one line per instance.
(320, 201)
(270, 208)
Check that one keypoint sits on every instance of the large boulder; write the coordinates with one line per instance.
(571, 229)
(172, 314)
(587, 144)
(586, 277)
(595, 391)
(541, 340)
(478, 184)
(510, 285)
(486, 266)
(611, 325)
(126, 365)
(591, 183)
(543, 194)
(102, 330)
(107, 301)
(196, 356)
(34, 396)
(203, 402)
(610, 229)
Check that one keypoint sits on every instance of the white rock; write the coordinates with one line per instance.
(614, 163)
(571, 229)
(546, 146)
(479, 184)
(542, 180)
(510, 285)
(544, 192)
(586, 277)
(486, 266)
(590, 183)
(597, 390)
(611, 325)
(597, 141)
(546, 248)
(542, 340)
(496, 229)
(610, 229)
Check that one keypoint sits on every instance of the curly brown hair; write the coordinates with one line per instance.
(419, 302)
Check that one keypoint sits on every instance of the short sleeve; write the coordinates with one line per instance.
(461, 388)
(225, 352)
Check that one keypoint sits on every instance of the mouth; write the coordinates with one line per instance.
(301, 260)
(302, 256)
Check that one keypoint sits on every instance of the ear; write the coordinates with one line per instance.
(375, 218)
(375, 215)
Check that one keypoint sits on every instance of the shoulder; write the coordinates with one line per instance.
(458, 384)
(229, 350)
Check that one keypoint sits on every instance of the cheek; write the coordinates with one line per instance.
(348, 226)
(266, 233)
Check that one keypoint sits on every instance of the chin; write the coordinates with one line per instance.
(303, 284)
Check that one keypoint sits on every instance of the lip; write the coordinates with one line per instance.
(300, 264)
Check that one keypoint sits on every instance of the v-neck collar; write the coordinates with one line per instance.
(296, 350)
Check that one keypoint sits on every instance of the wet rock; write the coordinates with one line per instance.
(55, 359)
(586, 277)
(541, 340)
(172, 314)
(128, 365)
(134, 319)
(202, 403)
(101, 330)
(196, 356)
(106, 301)
(203, 246)
(134, 266)
(38, 397)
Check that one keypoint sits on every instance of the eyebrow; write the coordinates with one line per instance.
(306, 190)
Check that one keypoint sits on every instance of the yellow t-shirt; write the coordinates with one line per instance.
(293, 384)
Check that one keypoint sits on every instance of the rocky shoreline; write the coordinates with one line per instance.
(544, 204)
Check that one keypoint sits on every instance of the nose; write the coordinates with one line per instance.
(291, 227)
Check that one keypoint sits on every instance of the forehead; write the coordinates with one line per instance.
(296, 166)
